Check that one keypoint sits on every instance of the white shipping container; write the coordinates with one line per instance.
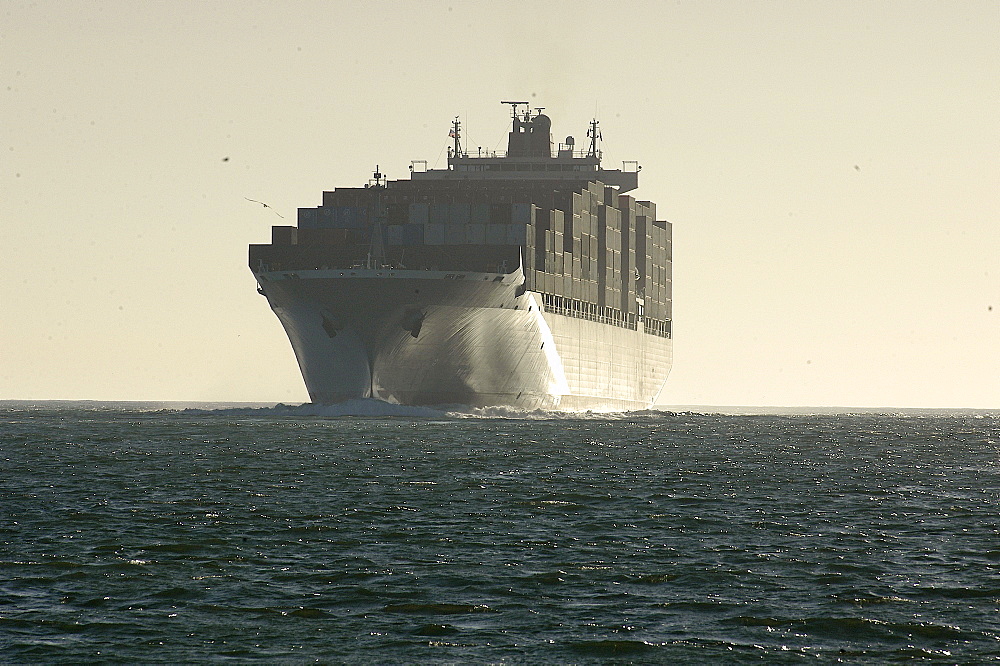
(558, 221)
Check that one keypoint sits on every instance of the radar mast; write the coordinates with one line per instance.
(594, 135)
(456, 134)
(513, 108)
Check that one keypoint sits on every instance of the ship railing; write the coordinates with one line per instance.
(660, 327)
(571, 307)
(502, 154)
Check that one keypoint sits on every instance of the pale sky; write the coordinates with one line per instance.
(832, 171)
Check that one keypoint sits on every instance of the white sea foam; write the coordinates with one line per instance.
(361, 407)
(373, 408)
(461, 411)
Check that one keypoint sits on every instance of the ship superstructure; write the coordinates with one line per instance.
(528, 278)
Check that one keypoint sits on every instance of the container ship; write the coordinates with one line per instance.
(527, 278)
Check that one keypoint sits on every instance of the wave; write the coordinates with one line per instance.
(374, 408)
(361, 407)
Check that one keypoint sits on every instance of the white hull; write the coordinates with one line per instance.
(434, 338)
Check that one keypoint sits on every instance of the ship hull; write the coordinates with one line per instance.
(437, 338)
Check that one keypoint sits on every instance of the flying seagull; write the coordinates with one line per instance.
(265, 206)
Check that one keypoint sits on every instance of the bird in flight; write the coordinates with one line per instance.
(265, 206)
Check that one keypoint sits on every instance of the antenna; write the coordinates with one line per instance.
(594, 135)
(456, 134)
(514, 106)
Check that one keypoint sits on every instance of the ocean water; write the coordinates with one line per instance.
(373, 534)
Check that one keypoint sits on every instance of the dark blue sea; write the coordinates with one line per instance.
(380, 535)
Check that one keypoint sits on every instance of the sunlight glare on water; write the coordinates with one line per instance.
(457, 535)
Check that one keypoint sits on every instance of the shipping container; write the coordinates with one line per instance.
(626, 203)
(458, 213)
(308, 218)
(332, 236)
(610, 195)
(496, 234)
(499, 213)
(454, 234)
(517, 234)
(413, 234)
(558, 221)
(521, 213)
(608, 218)
(479, 213)
(570, 224)
(649, 209)
(284, 235)
(419, 213)
(350, 217)
(340, 217)
(434, 234)
(475, 234)
(394, 234)
(438, 213)
(397, 213)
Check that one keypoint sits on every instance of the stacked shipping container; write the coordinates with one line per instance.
(589, 250)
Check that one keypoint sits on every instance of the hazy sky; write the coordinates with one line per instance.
(832, 171)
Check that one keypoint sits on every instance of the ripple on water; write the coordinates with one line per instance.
(294, 535)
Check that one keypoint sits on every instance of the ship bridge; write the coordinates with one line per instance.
(530, 157)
